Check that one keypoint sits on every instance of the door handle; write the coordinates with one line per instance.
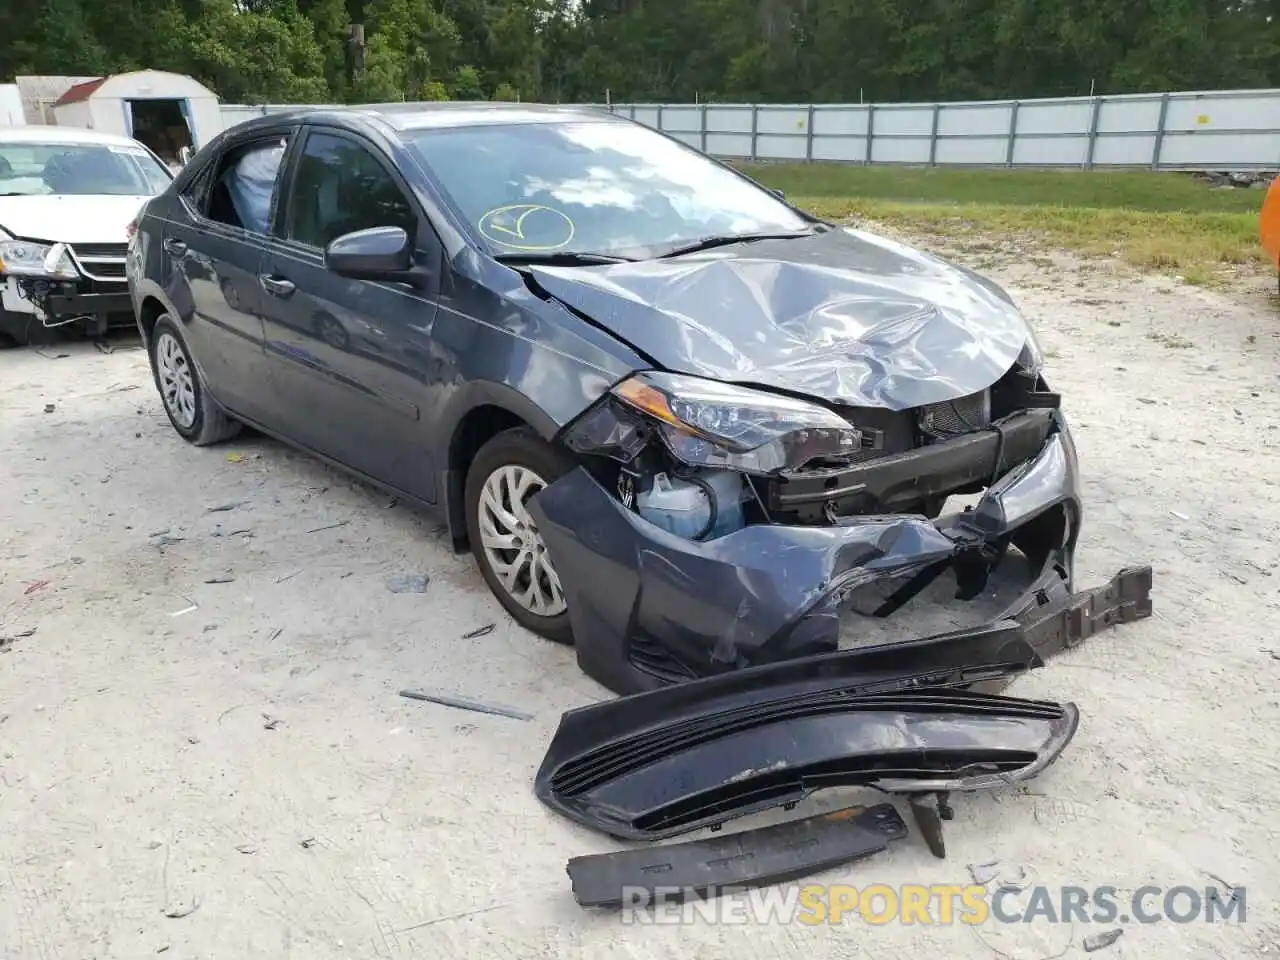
(175, 247)
(277, 286)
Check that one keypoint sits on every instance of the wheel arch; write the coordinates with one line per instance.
(481, 412)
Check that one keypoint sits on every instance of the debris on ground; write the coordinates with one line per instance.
(484, 631)
(270, 722)
(36, 585)
(289, 576)
(308, 843)
(177, 913)
(275, 633)
(235, 457)
(1100, 940)
(185, 610)
(162, 540)
(49, 408)
(225, 507)
(464, 704)
(222, 579)
(246, 849)
(6, 640)
(331, 526)
(409, 583)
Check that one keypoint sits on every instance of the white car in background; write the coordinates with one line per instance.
(67, 200)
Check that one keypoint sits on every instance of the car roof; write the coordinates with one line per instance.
(403, 117)
(47, 133)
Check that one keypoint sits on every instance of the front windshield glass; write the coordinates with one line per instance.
(79, 169)
(592, 186)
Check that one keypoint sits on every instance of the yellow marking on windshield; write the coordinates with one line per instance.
(510, 220)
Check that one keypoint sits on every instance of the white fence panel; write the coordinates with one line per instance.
(1195, 130)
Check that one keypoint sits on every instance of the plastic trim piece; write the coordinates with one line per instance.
(720, 864)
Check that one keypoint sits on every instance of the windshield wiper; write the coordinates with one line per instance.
(560, 259)
(725, 240)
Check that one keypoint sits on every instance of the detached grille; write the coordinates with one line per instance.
(941, 421)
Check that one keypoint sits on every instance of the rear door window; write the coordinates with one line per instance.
(241, 188)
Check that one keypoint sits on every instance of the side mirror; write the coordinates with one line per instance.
(378, 253)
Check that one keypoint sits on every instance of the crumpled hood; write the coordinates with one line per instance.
(845, 316)
(69, 219)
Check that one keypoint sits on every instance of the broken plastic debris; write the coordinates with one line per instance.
(225, 579)
(1100, 940)
(484, 631)
(464, 704)
(224, 507)
(235, 457)
(185, 610)
(409, 583)
(1180, 516)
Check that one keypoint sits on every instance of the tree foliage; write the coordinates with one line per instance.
(656, 50)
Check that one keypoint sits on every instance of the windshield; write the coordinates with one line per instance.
(78, 169)
(598, 187)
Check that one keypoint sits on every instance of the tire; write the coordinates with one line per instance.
(196, 417)
(505, 463)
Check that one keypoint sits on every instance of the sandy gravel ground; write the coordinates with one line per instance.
(242, 780)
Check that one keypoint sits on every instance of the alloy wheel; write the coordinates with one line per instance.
(511, 542)
(177, 381)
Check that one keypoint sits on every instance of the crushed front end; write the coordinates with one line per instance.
(45, 286)
(711, 527)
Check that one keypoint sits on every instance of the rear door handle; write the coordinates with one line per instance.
(176, 247)
(277, 286)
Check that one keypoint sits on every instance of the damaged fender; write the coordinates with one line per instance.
(649, 607)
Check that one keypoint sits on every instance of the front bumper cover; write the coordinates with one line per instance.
(650, 608)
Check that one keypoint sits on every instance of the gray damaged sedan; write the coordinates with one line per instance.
(679, 422)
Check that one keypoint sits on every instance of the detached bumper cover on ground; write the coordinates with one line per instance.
(649, 608)
(896, 717)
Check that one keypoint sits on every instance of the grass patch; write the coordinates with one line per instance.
(1170, 223)
(1124, 189)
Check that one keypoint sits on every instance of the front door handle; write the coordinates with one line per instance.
(277, 286)
(175, 247)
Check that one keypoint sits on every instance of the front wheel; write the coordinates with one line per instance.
(513, 559)
(190, 409)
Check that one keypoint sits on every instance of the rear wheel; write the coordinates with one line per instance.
(190, 409)
(503, 477)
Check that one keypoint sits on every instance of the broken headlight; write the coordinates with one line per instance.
(706, 423)
(1031, 358)
(22, 258)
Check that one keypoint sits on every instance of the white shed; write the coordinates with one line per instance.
(166, 111)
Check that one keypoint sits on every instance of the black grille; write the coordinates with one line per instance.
(941, 421)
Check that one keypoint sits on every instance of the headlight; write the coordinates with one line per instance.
(22, 258)
(706, 423)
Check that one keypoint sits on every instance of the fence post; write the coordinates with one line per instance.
(1013, 133)
(660, 117)
(755, 128)
(933, 136)
(633, 111)
(871, 131)
(1093, 131)
(808, 138)
(1164, 113)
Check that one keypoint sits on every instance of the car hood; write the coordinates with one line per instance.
(845, 316)
(69, 219)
